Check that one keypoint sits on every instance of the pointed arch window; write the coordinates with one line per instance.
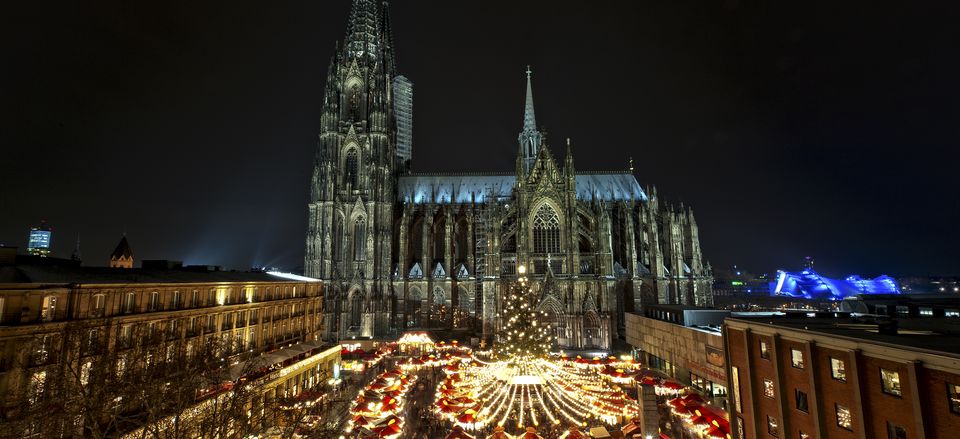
(355, 100)
(413, 309)
(546, 231)
(359, 240)
(351, 168)
(356, 308)
(337, 240)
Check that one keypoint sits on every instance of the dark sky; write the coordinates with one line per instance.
(824, 128)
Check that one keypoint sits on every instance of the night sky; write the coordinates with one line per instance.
(821, 128)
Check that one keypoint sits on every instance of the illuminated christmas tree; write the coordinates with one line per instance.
(523, 336)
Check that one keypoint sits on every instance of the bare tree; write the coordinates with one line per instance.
(143, 383)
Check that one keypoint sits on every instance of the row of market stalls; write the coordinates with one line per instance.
(376, 412)
(482, 398)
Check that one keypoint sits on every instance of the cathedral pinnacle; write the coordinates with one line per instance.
(529, 118)
(530, 139)
(365, 28)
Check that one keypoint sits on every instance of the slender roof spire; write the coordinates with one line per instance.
(364, 28)
(530, 139)
(388, 34)
(529, 118)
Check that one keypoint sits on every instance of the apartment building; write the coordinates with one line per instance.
(63, 325)
(835, 375)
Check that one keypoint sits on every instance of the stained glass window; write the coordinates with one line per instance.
(546, 231)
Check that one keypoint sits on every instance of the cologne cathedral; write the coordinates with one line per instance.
(402, 250)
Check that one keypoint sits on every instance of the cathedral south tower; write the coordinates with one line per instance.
(353, 188)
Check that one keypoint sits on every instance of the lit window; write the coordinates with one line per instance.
(773, 427)
(735, 378)
(838, 369)
(801, 400)
(926, 312)
(844, 420)
(951, 313)
(42, 353)
(85, 373)
(768, 388)
(49, 311)
(796, 358)
(764, 351)
(130, 302)
(953, 397)
(890, 382)
(126, 335)
(38, 383)
(903, 311)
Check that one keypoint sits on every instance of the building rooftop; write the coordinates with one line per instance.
(936, 335)
(52, 274)
(480, 187)
(677, 307)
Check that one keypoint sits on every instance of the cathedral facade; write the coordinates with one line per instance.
(401, 250)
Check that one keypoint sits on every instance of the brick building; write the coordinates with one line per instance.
(832, 375)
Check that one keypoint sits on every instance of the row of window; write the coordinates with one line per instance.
(838, 370)
(214, 297)
(841, 412)
(844, 421)
(890, 384)
(209, 323)
(889, 379)
(359, 240)
(923, 311)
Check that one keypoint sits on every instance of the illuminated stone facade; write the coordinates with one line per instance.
(59, 321)
(402, 250)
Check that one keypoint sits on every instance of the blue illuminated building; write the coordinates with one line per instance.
(38, 244)
(809, 284)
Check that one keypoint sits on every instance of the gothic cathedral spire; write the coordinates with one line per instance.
(354, 175)
(530, 138)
